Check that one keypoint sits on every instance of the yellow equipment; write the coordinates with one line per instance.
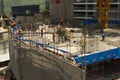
(103, 7)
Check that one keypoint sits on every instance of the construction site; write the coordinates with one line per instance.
(62, 51)
(95, 56)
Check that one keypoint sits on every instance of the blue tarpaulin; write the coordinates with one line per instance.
(98, 57)
(87, 22)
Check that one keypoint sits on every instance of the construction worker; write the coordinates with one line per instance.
(62, 21)
(103, 37)
(19, 32)
(56, 21)
(53, 37)
(41, 32)
(13, 22)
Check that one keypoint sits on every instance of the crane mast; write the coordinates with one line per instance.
(103, 7)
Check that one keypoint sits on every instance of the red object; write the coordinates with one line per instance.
(13, 23)
(57, 1)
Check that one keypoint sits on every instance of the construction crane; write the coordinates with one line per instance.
(103, 7)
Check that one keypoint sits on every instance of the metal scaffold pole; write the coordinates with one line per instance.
(84, 53)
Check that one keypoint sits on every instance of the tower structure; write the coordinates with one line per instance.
(103, 7)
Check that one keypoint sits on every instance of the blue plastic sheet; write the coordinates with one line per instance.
(87, 22)
(98, 57)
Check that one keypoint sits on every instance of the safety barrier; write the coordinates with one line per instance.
(35, 42)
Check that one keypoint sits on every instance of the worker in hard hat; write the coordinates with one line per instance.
(53, 35)
(20, 32)
(42, 32)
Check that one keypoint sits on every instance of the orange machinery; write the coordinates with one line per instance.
(103, 7)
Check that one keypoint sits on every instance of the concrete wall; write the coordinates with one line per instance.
(62, 10)
(35, 64)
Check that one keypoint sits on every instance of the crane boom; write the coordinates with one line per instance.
(103, 7)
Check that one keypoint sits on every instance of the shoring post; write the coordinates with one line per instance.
(67, 47)
(57, 48)
(113, 66)
(53, 40)
(103, 70)
(70, 46)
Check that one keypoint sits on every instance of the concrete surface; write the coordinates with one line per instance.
(36, 64)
